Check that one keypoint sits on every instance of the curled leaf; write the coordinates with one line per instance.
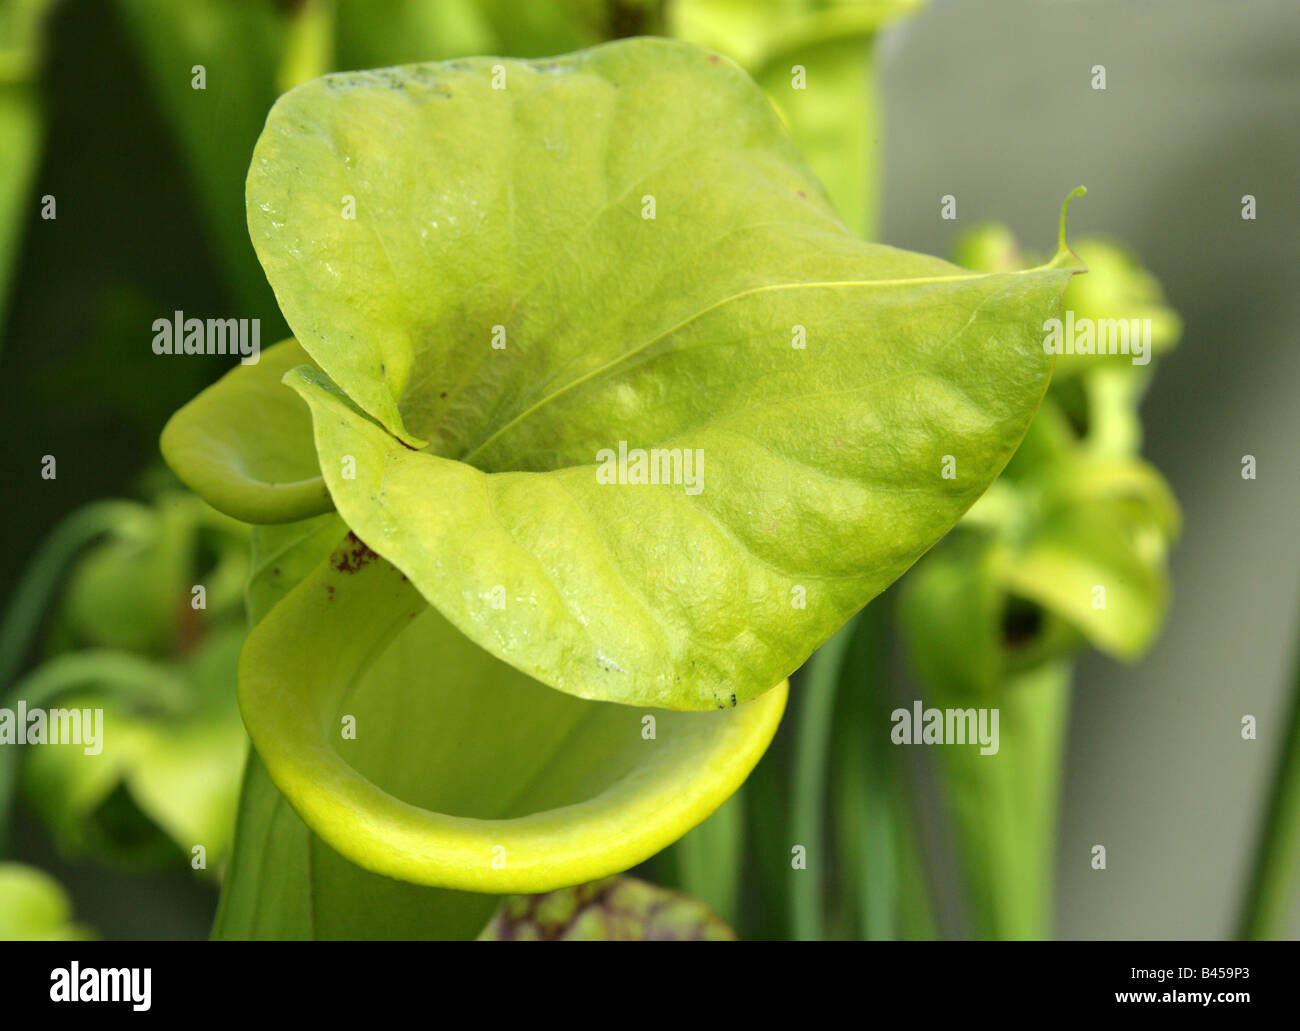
(245, 444)
(477, 777)
(815, 382)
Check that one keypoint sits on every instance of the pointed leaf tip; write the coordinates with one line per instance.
(1063, 252)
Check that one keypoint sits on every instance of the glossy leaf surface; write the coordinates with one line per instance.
(821, 379)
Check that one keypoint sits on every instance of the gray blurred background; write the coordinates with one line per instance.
(992, 102)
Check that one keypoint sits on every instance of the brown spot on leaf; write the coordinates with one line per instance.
(353, 555)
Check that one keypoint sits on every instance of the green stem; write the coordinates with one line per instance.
(881, 873)
(309, 44)
(914, 903)
(1277, 855)
(767, 795)
(808, 822)
(864, 813)
(30, 599)
(1005, 805)
(709, 858)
